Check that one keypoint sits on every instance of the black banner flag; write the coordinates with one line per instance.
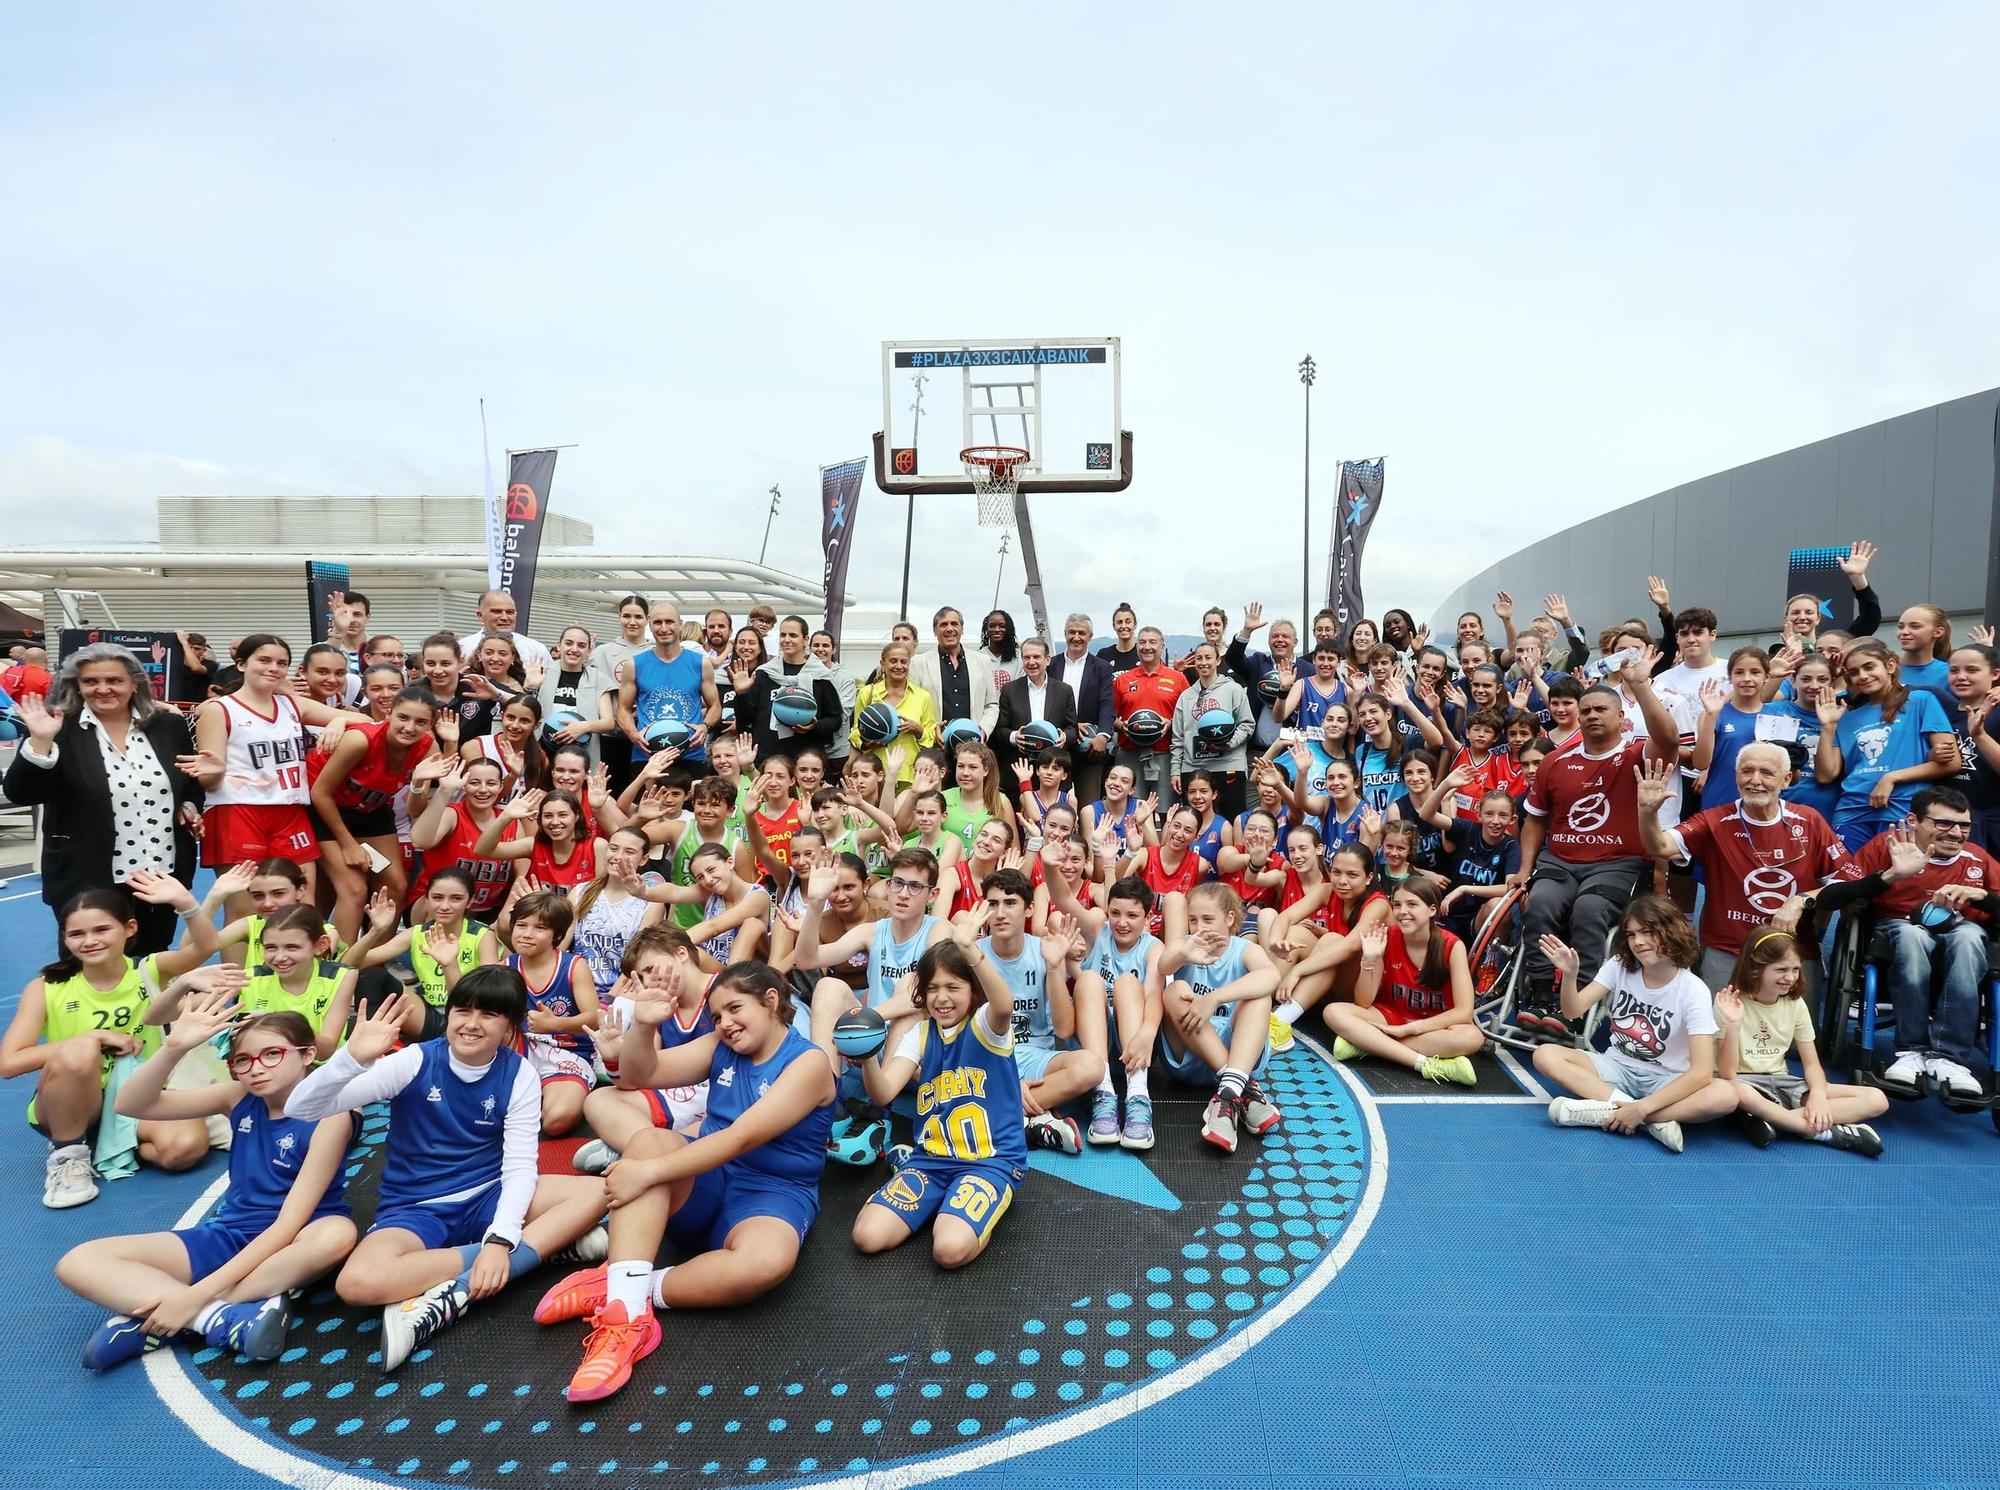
(840, 498)
(530, 473)
(1353, 515)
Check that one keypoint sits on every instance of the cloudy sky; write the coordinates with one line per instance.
(1549, 259)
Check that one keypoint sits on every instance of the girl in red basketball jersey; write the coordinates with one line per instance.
(515, 745)
(1353, 909)
(257, 810)
(1289, 932)
(1257, 872)
(558, 857)
(354, 787)
(1170, 869)
(1413, 994)
(962, 888)
(466, 799)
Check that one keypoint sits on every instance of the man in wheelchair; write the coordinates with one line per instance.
(1930, 893)
(1582, 853)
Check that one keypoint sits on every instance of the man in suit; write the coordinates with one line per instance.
(1033, 695)
(1090, 680)
(958, 681)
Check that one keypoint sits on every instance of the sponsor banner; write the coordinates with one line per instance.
(530, 473)
(324, 581)
(1817, 572)
(1353, 515)
(159, 653)
(840, 497)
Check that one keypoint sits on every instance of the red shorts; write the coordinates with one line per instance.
(231, 834)
(1393, 1014)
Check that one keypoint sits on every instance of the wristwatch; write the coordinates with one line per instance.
(494, 1239)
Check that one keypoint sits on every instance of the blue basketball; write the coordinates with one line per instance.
(879, 723)
(1143, 727)
(961, 732)
(1271, 685)
(1214, 728)
(1038, 735)
(558, 719)
(663, 734)
(794, 705)
(859, 1033)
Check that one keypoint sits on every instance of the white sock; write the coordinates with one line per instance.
(1230, 1082)
(659, 1287)
(1289, 1012)
(203, 1320)
(625, 1283)
(1104, 1081)
(1135, 1084)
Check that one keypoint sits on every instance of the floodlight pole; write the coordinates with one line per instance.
(763, 548)
(1307, 372)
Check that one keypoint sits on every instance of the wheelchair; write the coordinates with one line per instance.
(1498, 959)
(1854, 1013)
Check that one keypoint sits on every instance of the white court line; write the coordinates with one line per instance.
(1421, 1099)
(24, 895)
(1511, 1064)
(179, 1388)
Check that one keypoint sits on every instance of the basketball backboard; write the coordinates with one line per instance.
(1057, 398)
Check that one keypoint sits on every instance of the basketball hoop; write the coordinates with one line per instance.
(996, 476)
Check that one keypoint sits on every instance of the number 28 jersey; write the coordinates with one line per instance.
(968, 1094)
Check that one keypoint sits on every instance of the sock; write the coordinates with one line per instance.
(625, 1283)
(1289, 1012)
(1231, 1082)
(1104, 1081)
(1135, 1084)
(659, 1287)
(203, 1320)
(519, 1261)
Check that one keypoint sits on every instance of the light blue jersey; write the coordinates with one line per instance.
(1026, 976)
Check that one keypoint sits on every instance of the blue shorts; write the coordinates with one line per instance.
(1190, 1069)
(1032, 1061)
(977, 1194)
(214, 1243)
(724, 1198)
(451, 1223)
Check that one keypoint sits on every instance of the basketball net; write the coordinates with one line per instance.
(996, 477)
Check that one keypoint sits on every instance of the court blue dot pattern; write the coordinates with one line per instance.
(952, 1359)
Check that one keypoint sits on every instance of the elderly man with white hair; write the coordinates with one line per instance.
(1759, 856)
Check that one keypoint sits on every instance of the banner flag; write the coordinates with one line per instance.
(840, 497)
(325, 578)
(1817, 572)
(159, 654)
(1353, 515)
(530, 473)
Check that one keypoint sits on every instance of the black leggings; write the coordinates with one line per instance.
(1581, 904)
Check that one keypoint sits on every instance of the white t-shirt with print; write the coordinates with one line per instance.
(1650, 1026)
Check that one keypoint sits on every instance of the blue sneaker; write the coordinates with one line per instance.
(901, 1154)
(1103, 1117)
(1138, 1130)
(119, 1339)
(254, 1329)
(859, 1144)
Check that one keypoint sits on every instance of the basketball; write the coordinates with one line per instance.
(859, 1033)
(1271, 685)
(665, 734)
(1213, 729)
(961, 732)
(557, 720)
(1143, 727)
(1039, 735)
(879, 723)
(793, 705)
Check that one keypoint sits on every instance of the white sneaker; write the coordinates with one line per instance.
(1668, 1135)
(70, 1178)
(587, 1250)
(1579, 1112)
(594, 1157)
(1905, 1069)
(1952, 1077)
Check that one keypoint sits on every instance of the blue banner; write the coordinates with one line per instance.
(839, 496)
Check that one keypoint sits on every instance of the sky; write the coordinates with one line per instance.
(1549, 259)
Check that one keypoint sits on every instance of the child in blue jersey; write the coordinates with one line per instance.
(1218, 1015)
(894, 944)
(1120, 971)
(1046, 1018)
(562, 1006)
(1795, 719)
(972, 1148)
(1884, 742)
(282, 1223)
(744, 1194)
(461, 1211)
(1731, 719)
(651, 961)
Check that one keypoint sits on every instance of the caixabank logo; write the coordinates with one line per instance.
(1116, 1280)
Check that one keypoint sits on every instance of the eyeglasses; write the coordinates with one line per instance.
(268, 1057)
(1957, 825)
(911, 887)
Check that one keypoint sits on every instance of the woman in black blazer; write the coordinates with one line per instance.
(102, 704)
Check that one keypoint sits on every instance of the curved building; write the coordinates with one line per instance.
(1921, 486)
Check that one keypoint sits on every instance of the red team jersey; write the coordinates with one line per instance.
(1498, 773)
(1193, 870)
(371, 785)
(1135, 690)
(1255, 897)
(580, 870)
(491, 878)
(1403, 997)
(1970, 866)
(1589, 804)
(1753, 868)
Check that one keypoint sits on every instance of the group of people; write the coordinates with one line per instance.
(737, 905)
